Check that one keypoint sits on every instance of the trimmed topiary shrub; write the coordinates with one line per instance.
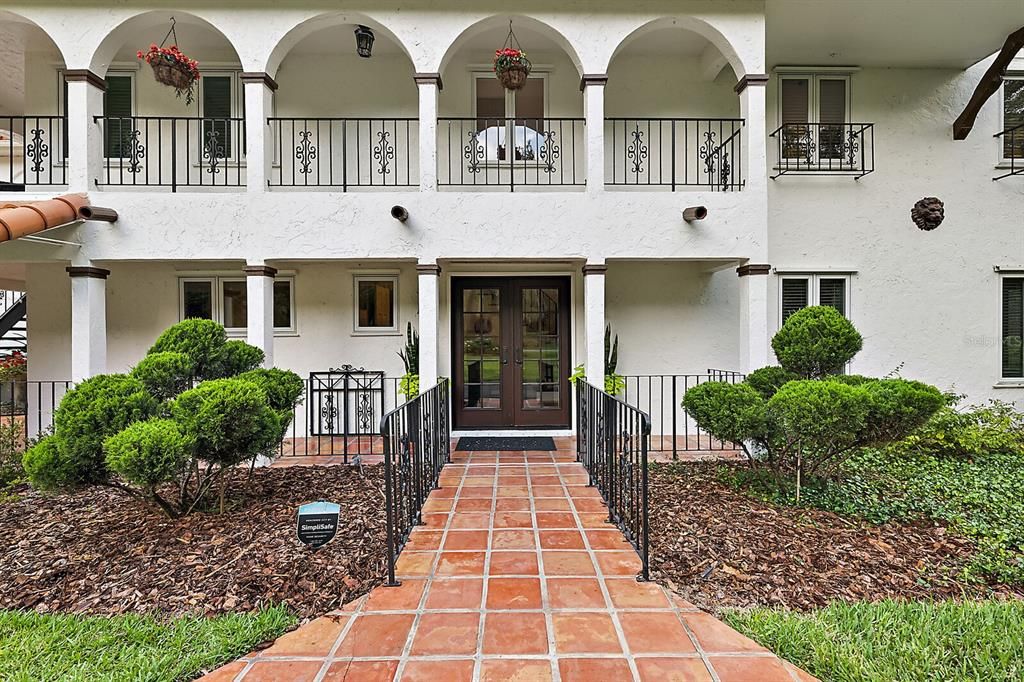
(236, 357)
(201, 340)
(768, 380)
(89, 413)
(283, 389)
(729, 412)
(164, 374)
(816, 342)
(149, 454)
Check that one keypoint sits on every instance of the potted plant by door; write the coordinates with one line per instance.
(409, 384)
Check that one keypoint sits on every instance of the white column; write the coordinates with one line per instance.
(754, 146)
(259, 297)
(259, 105)
(88, 321)
(85, 136)
(593, 111)
(429, 84)
(429, 304)
(593, 314)
(753, 316)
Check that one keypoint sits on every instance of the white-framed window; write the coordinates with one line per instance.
(500, 113)
(223, 298)
(814, 108)
(376, 304)
(798, 291)
(1011, 144)
(1011, 335)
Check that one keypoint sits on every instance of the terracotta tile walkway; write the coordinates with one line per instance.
(515, 575)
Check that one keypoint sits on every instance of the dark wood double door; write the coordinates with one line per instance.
(511, 352)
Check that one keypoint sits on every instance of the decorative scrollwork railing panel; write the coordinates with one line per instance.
(674, 153)
(611, 441)
(825, 149)
(173, 151)
(345, 153)
(33, 150)
(417, 444)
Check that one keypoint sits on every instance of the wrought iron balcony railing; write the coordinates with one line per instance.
(173, 151)
(511, 152)
(825, 149)
(1012, 143)
(344, 153)
(674, 153)
(33, 150)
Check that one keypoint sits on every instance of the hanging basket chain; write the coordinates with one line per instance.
(171, 67)
(511, 66)
(170, 32)
(510, 38)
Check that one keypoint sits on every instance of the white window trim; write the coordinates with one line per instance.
(395, 329)
(1003, 161)
(1004, 381)
(814, 291)
(217, 308)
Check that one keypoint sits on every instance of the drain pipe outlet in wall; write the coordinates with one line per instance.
(399, 213)
(694, 213)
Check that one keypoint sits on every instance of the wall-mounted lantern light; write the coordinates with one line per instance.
(364, 41)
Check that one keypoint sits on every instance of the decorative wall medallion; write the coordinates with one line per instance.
(928, 213)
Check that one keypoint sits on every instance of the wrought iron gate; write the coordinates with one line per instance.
(347, 403)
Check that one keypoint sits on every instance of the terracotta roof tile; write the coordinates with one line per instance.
(24, 218)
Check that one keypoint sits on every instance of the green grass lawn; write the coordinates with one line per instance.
(67, 647)
(896, 642)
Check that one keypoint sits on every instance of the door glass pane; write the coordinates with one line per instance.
(481, 351)
(541, 372)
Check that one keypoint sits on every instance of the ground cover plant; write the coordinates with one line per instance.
(78, 648)
(895, 641)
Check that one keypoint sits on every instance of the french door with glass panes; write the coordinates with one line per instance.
(511, 352)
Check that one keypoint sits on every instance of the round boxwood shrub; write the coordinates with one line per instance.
(236, 357)
(149, 453)
(91, 412)
(229, 420)
(768, 380)
(283, 387)
(729, 412)
(897, 408)
(816, 342)
(164, 374)
(201, 340)
(817, 419)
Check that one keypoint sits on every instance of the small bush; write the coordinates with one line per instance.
(816, 342)
(729, 412)
(201, 340)
(149, 453)
(283, 387)
(768, 380)
(164, 374)
(970, 433)
(896, 408)
(229, 420)
(91, 412)
(12, 447)
(234, 358)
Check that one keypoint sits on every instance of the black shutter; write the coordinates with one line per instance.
(794, 295)
(217, 128)
(1013, 327)
(832, 292)
(117, 107)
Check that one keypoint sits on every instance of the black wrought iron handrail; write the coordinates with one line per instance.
(825, 149)
(475, 152)
(173, 151)
(675, 152)
(417, 444)
(1013, 150)
(344, 152)
(611, 443)
(661, 397)
(33, 150)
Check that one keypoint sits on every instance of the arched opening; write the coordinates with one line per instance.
(162, 127)
(492, 136)
(33, 135)
(340, 119)
(673, 116)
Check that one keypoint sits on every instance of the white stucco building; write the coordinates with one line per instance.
(807, 128)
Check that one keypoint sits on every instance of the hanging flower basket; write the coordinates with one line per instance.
(511, 67)
(174, 68)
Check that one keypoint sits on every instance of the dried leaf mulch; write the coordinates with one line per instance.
(719, 548)
(99, 552)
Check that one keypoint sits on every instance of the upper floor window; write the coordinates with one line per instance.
(815, 110)
(499, 111)
(800, 291)
(1013, 115)
(218, 103)
(1012, 336)
(119, 107)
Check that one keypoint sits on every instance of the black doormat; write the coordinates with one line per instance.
(467, 443)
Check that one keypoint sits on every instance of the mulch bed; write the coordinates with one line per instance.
(100, 552)
(720, 548)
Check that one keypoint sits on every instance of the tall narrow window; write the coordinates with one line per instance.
(216, 103)
(1013, 328)
(117, 108)
(832, 117)
(814, 110)
(1013, 115)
